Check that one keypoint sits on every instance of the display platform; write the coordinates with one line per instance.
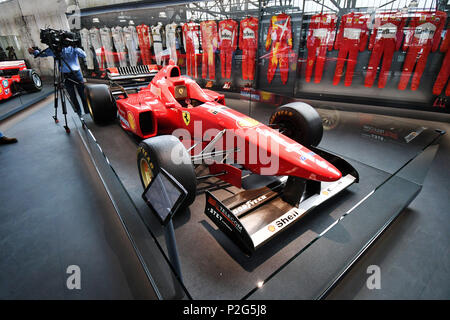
(213, 267)
(22, 101)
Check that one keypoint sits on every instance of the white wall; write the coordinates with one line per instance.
(24, 18)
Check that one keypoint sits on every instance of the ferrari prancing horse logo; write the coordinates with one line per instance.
(186, 117)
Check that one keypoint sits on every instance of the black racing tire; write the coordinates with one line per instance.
(100, 102)
(300, 122)
(157, 152)
(30, 81)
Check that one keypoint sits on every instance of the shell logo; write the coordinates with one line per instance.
(271, 228)
(248, 122)
(131, 121)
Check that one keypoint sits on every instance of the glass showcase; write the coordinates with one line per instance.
(391, 53)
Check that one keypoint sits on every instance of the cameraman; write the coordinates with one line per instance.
(72, 72)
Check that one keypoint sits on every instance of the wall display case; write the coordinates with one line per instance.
(387, 53)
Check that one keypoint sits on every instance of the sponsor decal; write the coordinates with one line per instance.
(248, 205)
(124, 120)
(186, 117)
(220, 213)
(6, 91)
(1, 89)
(5, 83)
(285, 220)
(131, 121)
(247, 122)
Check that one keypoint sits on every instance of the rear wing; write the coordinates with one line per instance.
(132, 72)
(12, 68)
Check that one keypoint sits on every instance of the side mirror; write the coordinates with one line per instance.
(170, 105)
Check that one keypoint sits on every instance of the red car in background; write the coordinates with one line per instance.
(15, 77)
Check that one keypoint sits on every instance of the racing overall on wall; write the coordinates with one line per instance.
(86, 43)
(131, 41)
(444, 74)
(191, 44)
(119, 43)
(96, 43)
(279, 42)
(248, 43)
(105, 34)
(422, 36)
(209, 44)
(145, 43)
(157, 42)
(386, 38)
(171, 41)
(351, 39)
(321, 35)
(227, 45)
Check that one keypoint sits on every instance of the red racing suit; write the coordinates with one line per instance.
(248, 43)
(444, 74)
(143, 32)
(209, 44)
(280, 37)
(227, 45)
(422, 37)
(321, 34)
(386, 38)
(191, 44)
(351, 39)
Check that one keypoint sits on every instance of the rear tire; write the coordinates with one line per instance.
(30, 81)
(101, 104)
(300, 122)
(158, 152)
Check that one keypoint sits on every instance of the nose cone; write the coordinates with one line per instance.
(319, 168)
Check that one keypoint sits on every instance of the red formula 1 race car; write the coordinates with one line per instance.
(16, 78)
(185, 128)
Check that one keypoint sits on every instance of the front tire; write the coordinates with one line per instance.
(101, 104)
(169, 153)
(300, 122)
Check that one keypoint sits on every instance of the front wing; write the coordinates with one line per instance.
(251, 218)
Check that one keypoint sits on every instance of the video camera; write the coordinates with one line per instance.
(58, 39)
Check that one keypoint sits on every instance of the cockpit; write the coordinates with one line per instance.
(181, 90)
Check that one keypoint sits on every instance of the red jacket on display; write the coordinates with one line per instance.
(208, 31)
(191, 40)
(351, 39)
(279, 42)
(227, 45)
(321, 34)
(143, 32)
(248, 43)
(422, 36)
(386, 38)
(444, 74)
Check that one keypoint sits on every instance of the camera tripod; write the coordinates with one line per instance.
(60, 89)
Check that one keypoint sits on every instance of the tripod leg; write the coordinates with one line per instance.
(55, 84)
(64, 109)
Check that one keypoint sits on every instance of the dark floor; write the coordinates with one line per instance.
(413, 254)
(54, 212)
